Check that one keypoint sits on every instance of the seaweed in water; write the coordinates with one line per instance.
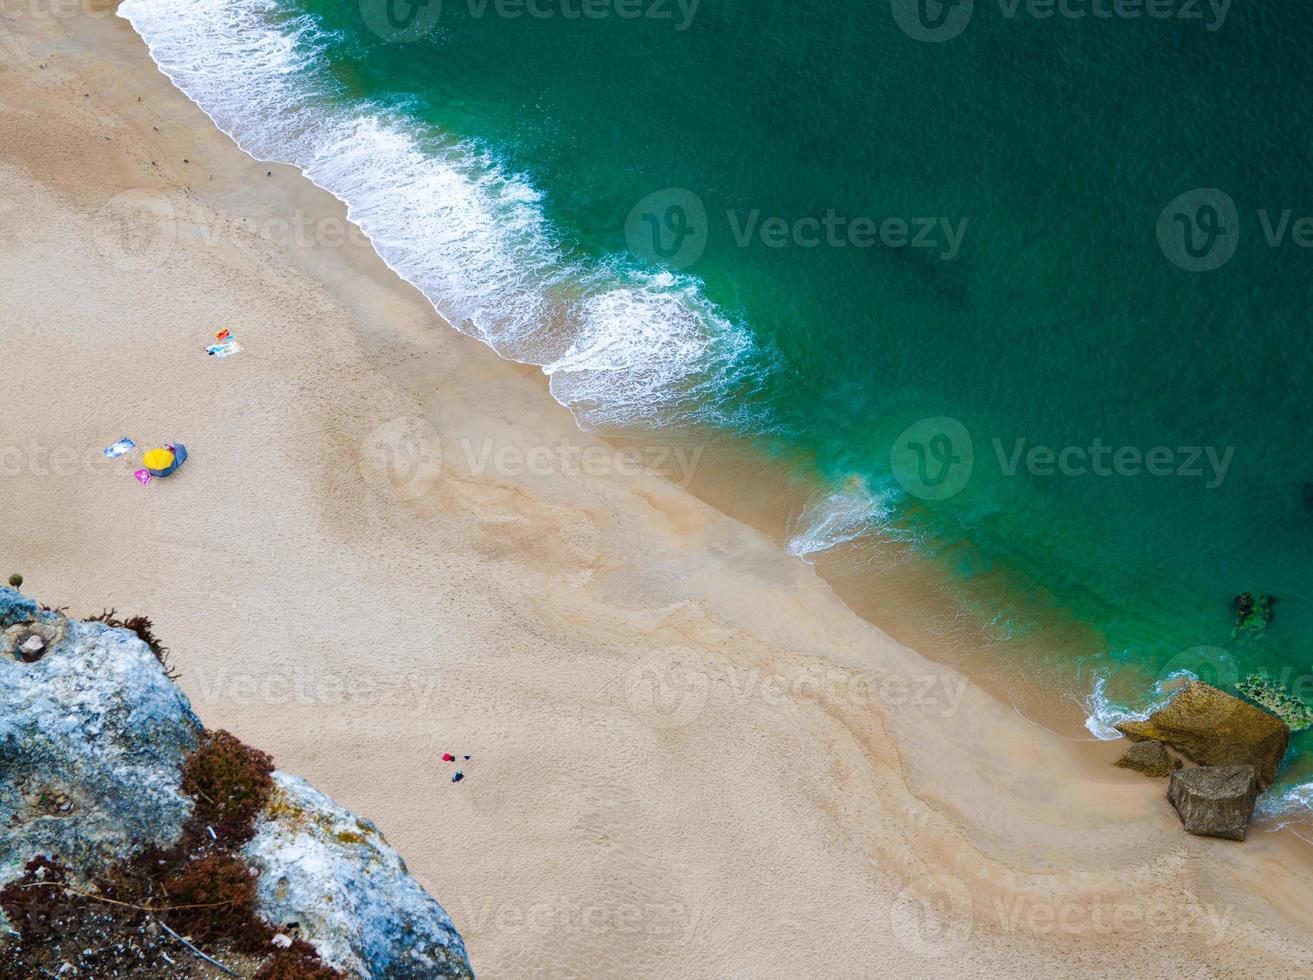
(1252, 615)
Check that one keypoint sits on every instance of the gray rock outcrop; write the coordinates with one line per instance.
(93, 740)
(349, 893)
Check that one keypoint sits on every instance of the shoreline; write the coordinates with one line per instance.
(865, 572)
(906, 594)
(366, 366)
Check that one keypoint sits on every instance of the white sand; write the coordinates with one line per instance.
(689, 758)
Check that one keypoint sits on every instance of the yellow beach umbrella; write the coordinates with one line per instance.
(158, 459)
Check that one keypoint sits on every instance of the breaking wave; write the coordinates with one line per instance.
(840, 517)
(621, 345)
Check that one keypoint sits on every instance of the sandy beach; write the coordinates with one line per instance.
(688, 757)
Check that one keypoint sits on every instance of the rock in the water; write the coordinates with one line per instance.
(1214, 801)
(1215, 729)
(1149, 757)
(1252, 615)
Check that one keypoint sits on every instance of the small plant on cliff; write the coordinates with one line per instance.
(213, 898)
(145, 630)
(16, 581)
(59, 924)
(199, 887)
(231, 783)
(35, 904)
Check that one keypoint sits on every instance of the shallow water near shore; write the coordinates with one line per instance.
(928, 283)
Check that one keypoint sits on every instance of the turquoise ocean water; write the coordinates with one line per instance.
(1031, 292)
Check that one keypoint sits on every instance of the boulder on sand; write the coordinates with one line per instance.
(1215, 729)
(1214, 801)
(1149, 757)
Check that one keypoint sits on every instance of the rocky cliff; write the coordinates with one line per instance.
(136, 843)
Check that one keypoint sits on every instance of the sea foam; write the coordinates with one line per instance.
(840, 517)
(1291, 808)
(1103, 715)
(622, 345)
